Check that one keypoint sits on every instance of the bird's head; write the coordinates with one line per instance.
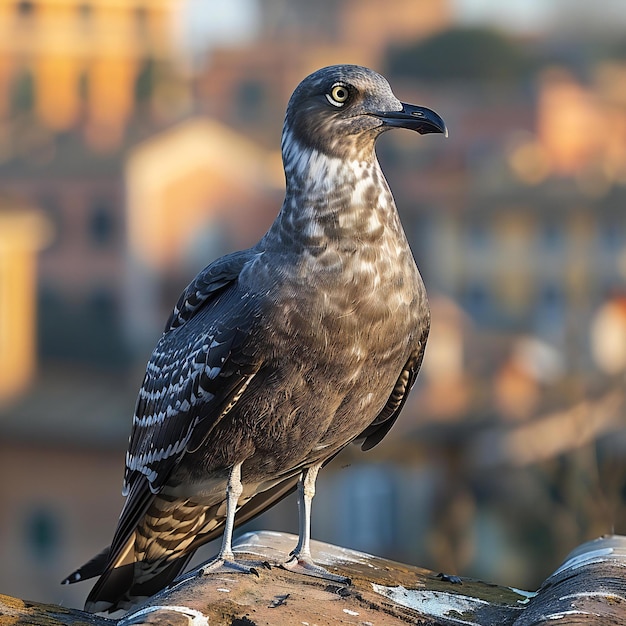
(340, 110)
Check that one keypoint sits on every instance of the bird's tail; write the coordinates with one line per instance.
(152, 555)
(160, 547)
(125, 586)
(147, 556)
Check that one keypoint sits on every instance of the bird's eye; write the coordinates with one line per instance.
(338, 95)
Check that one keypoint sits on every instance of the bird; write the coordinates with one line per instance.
(276, 357)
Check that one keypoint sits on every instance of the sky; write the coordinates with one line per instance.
(516, 15)
(544, 15)
(206, 23)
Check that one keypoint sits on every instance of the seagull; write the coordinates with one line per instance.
(277, 357)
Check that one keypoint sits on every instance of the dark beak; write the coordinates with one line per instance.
(416, 118)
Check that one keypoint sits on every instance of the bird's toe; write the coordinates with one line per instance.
(220, 565)
(306, 566)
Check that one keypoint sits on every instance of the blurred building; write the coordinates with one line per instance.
(521, 221)
(536, 260)
(79, 82)
(82, 64)
(194, 193)
(23, 232)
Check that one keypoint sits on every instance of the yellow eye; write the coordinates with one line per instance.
(338, 95)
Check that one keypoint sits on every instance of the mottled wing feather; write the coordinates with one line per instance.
(205, 285)
(194, 373)
(196, 367)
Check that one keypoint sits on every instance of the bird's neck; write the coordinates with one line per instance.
(334, 202)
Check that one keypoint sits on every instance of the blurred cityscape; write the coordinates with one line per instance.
(139, 140)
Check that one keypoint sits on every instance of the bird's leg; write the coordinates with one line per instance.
(225, 559)
(233, 490)
(306, 493)
(301, 560)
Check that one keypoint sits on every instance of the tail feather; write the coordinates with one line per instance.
(166, 537)
(91, 569)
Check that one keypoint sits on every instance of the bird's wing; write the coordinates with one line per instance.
(377, 430)
(206, 285)
(195, 375)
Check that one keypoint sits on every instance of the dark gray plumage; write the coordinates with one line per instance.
(277, 357)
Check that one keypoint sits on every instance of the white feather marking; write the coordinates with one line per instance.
(213, 372)
(197, 618)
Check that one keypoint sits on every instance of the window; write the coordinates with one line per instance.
(144, 83)
(102, 303)
(25, 8)
(552, 237)
(251, 98)
(369, 500)
(478, 237)
(550, 311)
(49, 202)
(612, 237)
(476, 300)
(85, 12)
(83, 85)
(101, 223)
(42, 534)
(23, 92)
(141, 21)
